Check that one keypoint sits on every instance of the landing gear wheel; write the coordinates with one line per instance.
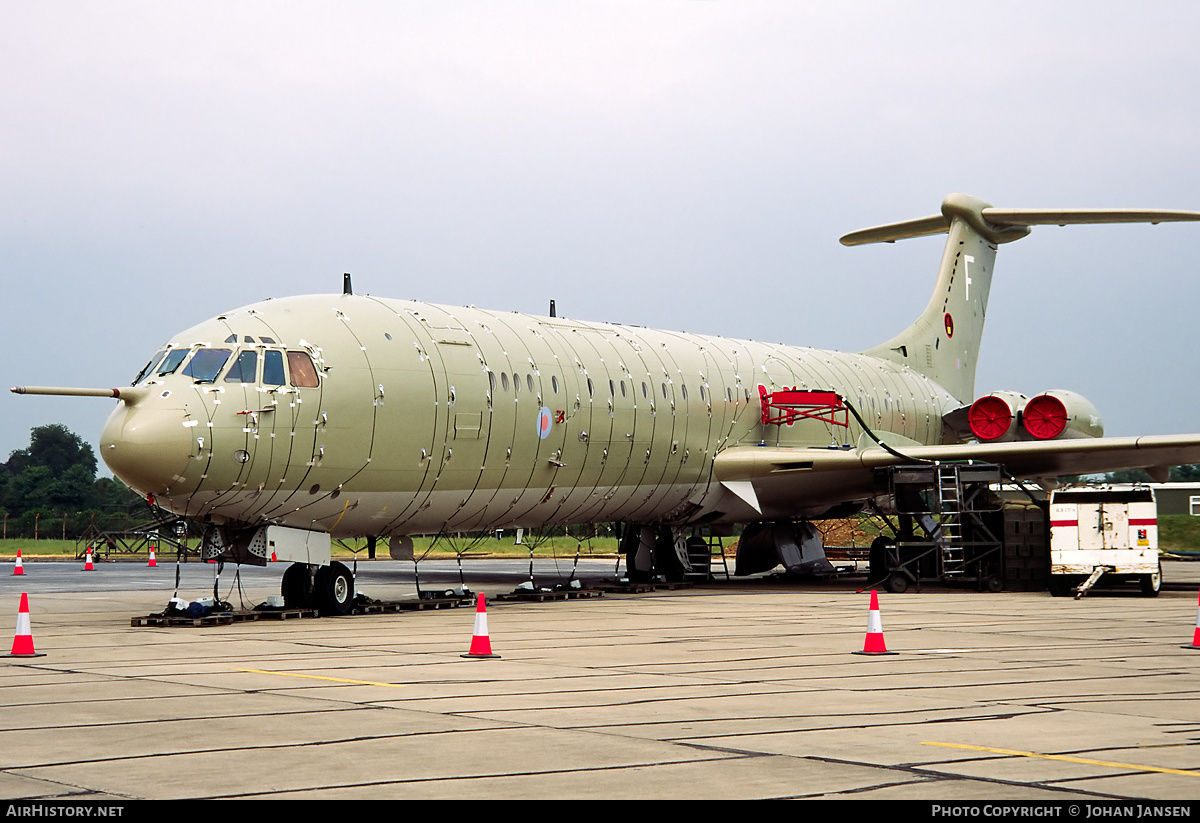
(296, 587)
(334, 590)
(1152, 583)
(897, 583)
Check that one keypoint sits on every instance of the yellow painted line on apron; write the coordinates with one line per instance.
(1083, 760)
(332, 679)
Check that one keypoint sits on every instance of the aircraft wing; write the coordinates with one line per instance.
(783, 482)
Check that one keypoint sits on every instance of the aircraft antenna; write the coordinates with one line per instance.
(346, 284)
(552, 313)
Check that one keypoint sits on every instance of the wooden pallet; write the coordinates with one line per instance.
(526, 596)
(219, 619)
(613, 587)
(286, 614)
(415, 604)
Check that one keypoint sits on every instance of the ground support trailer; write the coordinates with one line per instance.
(1103, 535)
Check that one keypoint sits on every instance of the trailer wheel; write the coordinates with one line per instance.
(334, 590)
(296, 587)
(993, 584)
(897, 583)
(1152, 583)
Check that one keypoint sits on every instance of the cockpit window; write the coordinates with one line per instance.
(149, 367)
(171, 362)
(203, 368)
(273, 369)
(244, 369)
(304, 373)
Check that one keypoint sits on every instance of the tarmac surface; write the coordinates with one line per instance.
(729, 690)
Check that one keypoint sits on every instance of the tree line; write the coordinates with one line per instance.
(50, 490)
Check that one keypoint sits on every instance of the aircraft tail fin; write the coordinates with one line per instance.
(943, 343)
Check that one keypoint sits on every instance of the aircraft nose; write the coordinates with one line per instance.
(147, 447)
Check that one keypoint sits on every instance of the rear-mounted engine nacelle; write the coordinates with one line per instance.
(994, 416)
(1061, 414)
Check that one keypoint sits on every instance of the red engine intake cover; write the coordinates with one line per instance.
(1045, 417)
(990, 417)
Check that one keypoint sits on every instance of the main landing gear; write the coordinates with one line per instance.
(328, 589)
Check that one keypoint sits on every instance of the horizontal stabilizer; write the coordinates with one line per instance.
(1000, 219)
(1064, 217)
(920, 227)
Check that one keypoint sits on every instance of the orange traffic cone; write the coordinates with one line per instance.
(23, 641)
(481, 644)
(1195, 634)
(87, 563)
(18, 569)
(874, 642)
(152, 564)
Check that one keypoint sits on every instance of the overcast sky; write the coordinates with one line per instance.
(683, 165)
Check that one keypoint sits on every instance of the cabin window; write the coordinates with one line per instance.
(645, 393)
(554, 383)
(683, 388)
(206, 363)
(517, 383)
(244, 368)
(273, 369)
(529, 381)
(171, 362)
(492, 381)
(612, 388)
(304, 373)
(622, 388)
(664, 387)
(504, 380)
(589, 387)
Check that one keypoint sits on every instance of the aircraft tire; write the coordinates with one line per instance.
(296, 587)
(1151, 583)
(334, 590)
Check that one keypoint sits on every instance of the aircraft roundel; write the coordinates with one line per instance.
(949, 325)
(543, 423)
